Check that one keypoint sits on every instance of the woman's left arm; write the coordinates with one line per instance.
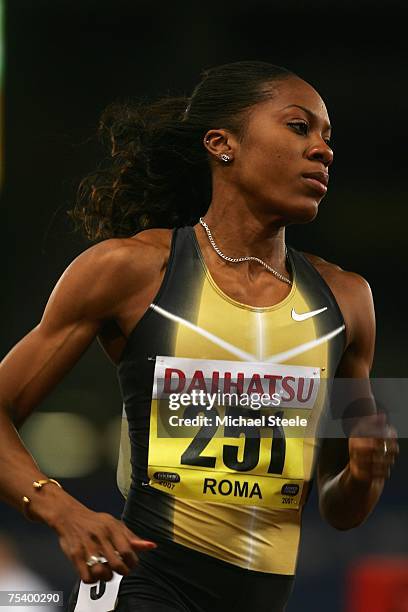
(352, 471)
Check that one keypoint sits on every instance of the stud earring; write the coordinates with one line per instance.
(224, 157)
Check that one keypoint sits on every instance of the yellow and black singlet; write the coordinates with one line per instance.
(235, 491)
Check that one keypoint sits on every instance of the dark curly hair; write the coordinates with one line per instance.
(158, 173)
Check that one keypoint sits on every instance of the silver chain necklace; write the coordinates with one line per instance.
(281, 277)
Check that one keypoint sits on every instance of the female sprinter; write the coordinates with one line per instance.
(191, 287)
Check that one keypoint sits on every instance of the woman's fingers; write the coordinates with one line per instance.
(99, 544)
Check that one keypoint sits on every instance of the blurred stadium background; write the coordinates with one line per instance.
(61, 63)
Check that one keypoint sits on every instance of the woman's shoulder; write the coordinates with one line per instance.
(154, 241)
(337, 276)
(111, 270)
(353, 295)
(145, 250)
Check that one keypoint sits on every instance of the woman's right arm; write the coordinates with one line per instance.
(87, 296)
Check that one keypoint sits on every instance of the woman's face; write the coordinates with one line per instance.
(282, 161)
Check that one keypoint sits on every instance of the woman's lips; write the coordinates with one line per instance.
(316, 185)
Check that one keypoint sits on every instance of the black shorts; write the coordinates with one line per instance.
(173, 578)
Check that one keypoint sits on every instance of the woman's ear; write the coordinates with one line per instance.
(218, 144)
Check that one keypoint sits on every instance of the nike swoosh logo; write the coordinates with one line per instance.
(306, 315)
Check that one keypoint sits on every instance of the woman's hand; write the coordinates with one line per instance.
(373, 449)
(84, 533)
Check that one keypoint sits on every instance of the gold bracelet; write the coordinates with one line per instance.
(37, 484)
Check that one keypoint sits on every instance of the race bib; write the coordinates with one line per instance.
(98, 597)
(231, 431)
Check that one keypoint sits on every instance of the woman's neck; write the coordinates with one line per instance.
(239, 231)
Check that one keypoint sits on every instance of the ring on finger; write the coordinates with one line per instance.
(95, 559)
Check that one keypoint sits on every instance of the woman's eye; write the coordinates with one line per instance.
(301, 127)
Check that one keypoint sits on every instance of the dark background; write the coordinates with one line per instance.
(66, 60)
